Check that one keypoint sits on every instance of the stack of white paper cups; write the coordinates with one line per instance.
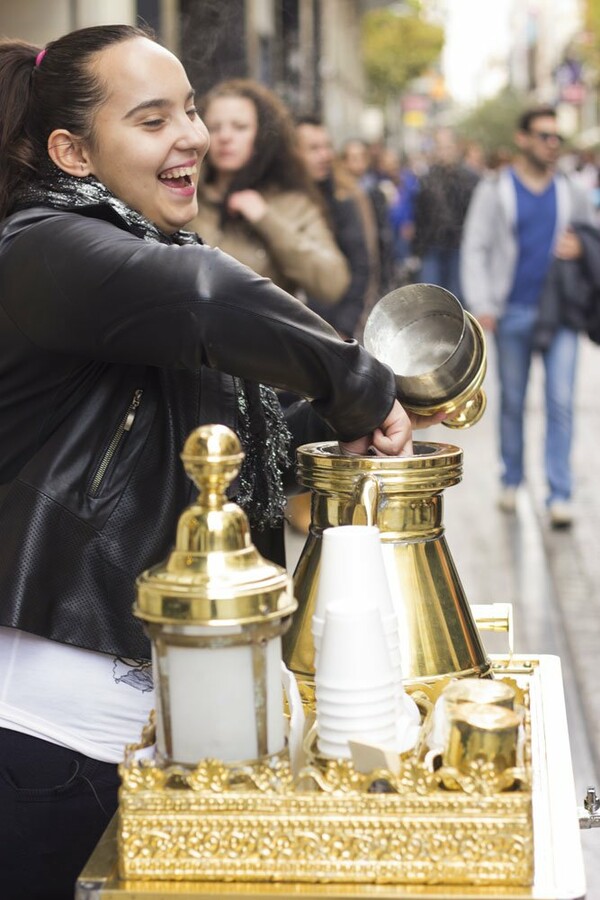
(356, 694)
(358, 666)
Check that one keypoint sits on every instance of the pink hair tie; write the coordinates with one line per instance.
(39, 58)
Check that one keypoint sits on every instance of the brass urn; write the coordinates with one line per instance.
(403, 497)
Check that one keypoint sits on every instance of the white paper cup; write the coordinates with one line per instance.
(407, 734)
(349, 709)
(440, 724)
(373, 690)
(392, 637)
(317, 627)
(376, 722)
(354, 653)
(333, 750)
(352, 570)
(348, 695)
(386, 736)
(390, 628)
(396, 661)
(388, 711)
(410, 709)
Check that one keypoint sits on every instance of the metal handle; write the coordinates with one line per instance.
(366, 501)
(495, 617)
(589, 816)
(469, 413)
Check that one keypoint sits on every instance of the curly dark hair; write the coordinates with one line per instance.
(275, 160)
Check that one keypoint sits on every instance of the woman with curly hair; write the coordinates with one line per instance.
(256, 200)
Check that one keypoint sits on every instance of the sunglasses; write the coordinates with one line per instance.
(547, 136)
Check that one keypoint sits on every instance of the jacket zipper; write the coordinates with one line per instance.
(125, 425)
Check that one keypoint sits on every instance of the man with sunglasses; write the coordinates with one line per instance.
(517, 222)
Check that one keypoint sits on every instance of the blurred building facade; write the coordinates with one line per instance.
(544, 62)
(543, 32)
(539, 56)
(306, 50)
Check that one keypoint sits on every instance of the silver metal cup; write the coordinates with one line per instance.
(435, 348)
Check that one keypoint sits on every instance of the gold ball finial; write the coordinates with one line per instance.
(212, 452)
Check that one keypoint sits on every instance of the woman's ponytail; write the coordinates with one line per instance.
(17, 155)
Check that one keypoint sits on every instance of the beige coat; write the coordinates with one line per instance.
(292, 243)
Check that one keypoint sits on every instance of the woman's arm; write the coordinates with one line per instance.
(84, 287)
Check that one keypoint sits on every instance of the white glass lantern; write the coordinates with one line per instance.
(215, 611)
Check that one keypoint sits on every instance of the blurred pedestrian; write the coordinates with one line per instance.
(352, 222)
(255, 198)
(474, 157)
(440, 206)
(586, 173)
(389, 171)
(402, 218)
(517, 221)
(498, 158)
(354, 157)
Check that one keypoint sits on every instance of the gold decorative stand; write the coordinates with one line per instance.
(330, 823)
(507, 827)
(330, 837)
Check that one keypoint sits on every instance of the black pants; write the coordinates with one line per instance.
(54, 805)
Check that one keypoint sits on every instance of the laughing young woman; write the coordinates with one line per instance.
(119, 334)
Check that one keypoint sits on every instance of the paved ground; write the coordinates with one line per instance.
(551, 578)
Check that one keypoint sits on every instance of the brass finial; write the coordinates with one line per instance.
(215, 574)
(212, 456)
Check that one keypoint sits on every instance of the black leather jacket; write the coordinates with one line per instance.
(570, 296)
(112, 350)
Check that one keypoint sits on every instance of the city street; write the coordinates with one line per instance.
(181, 183)
(552, 578)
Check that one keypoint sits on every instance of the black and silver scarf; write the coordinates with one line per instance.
(262, 429)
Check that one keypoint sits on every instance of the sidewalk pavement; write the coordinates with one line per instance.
(552, 578)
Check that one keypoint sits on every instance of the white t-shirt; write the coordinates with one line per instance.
(91, 702)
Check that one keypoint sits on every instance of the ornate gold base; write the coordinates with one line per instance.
(331, 823)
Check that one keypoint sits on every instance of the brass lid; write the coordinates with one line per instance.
(480, 690)
(215, 575)
(486, 716)
(433, 467)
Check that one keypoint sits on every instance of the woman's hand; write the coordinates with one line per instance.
(394, 435)
(249, 204)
